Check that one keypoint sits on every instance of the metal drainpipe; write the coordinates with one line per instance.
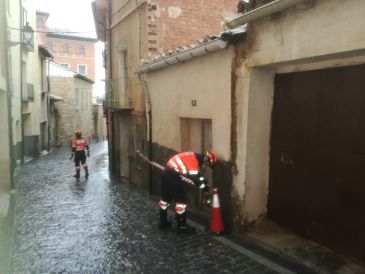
(149, 128)
(110, 74)
(48, 104)
(21, 79)
(275, 6)
(8, 98)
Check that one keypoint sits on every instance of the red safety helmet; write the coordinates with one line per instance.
(78, 133)
(212, 157)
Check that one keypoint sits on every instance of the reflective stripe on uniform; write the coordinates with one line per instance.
(79, 144)
(202, 186)
(180, 208)
(163, 205)
(181, 164)
(174, 165)
(193, 172)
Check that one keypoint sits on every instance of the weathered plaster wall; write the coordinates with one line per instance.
(305, 37)
(258, 142)
(129, 35)
(173, 89)
(328, 27)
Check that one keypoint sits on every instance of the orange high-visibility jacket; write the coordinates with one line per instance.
(80, 144)
(188, 164)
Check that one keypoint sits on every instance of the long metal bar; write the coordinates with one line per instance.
(183, 178)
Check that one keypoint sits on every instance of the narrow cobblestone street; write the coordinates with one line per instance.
(100, 225)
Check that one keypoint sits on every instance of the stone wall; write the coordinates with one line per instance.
(99, 123)
(75, 109)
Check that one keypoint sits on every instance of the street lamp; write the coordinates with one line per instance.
(28, 36)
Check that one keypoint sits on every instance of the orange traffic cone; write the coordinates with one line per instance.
(216, 222)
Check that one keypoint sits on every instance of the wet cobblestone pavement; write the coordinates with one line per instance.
(100, 225)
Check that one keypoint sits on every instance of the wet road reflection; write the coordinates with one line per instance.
(100, 225)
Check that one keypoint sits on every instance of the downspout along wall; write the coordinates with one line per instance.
(9, 108)
(148, 111)
(21, 80)
(109, 121)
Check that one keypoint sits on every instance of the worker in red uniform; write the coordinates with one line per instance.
(187, 164)
(80, 148)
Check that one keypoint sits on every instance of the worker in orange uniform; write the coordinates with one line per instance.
(79, 146)
(187, 164)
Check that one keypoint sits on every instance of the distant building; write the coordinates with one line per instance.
(74, 51)
(71, 94)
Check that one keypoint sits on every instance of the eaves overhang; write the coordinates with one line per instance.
(45, 52)
(217, 43)
(80, 76)
(55, 98)
(99, 12)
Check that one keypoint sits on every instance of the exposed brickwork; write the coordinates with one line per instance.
(74, 58)
(176, 23)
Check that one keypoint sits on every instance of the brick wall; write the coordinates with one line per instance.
(74, 58)
(177, 23)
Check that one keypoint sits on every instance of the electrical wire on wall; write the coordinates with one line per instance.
(56, 32)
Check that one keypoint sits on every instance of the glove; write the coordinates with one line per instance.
(206, 199)
(88, 153)
(204, 185)
(206, 188)
(72, 156)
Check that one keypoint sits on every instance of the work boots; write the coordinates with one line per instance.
(163, 220)
(182, 227)
(77, 175)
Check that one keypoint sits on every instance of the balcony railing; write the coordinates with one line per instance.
(117, 95)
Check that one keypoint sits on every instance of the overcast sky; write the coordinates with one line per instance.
(75, 15)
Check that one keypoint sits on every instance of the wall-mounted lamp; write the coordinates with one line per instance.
(27, 37)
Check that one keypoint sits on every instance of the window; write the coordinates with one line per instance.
(65, 65)
(65, 48)
(82, 50)
(123, 72)
(40, 22)
(82, 69)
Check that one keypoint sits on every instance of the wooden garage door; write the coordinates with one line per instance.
(317, 161)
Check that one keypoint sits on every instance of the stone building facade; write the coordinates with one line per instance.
(73, 110)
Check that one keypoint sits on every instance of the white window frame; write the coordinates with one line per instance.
(82, 50)
(78, 69)
(65, 65)
(66, 48)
